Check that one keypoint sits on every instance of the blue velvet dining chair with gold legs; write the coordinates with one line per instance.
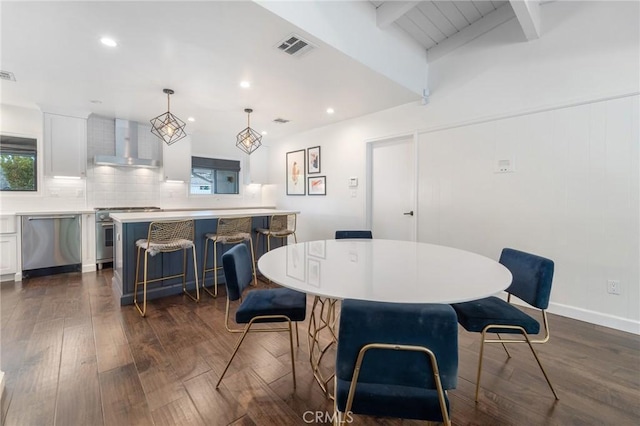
(344, 234)
(532, 278)
(273, 305)
(395, 360)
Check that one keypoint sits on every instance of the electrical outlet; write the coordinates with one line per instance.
(613, 287)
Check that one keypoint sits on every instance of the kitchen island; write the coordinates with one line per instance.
(130, 227)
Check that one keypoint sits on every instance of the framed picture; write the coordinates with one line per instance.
(295, 172)
(313, 158)
(317, 185)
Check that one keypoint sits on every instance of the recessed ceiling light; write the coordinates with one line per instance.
(264, 132)
(330, 111)
(245, 84)
(191, 119)
(108, 42)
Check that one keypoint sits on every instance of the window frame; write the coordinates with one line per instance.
(34, 151)
(216, 165)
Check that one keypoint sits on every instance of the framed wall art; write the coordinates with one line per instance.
(313, 158)
(295, 172)
(317, 185)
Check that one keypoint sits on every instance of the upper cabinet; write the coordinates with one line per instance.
(259, 166)
(65, 145)
(176, 160)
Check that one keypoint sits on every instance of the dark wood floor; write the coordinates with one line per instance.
(73, 356)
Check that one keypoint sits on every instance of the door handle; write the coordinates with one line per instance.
(408, 213)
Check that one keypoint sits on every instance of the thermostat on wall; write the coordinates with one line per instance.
(353, 182)
(505, 165)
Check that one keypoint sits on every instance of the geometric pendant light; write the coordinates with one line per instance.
(248, 139)
(167, 126)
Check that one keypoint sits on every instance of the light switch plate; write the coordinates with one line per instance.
(353, 182)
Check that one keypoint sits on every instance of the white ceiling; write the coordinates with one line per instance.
(201, 50)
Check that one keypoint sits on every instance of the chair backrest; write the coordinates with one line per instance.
(434, 326)
(532, 276)
(233, 226)
(353, 234)
(282, 223)
(236, 264)
(170, 232)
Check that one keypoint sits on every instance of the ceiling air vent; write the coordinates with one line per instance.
(7, 75)
(281, 120)
(295, 45)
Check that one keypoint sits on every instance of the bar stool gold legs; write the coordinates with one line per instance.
(229, 231)
(280, 226)
(165, 237)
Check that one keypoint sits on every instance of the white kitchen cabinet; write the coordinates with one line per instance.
(259, 165)
(176, 159)
(65, 145)
(8, 245)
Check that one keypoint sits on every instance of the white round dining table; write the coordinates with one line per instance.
(384, 271)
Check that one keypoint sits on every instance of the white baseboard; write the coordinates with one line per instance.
(593, 317)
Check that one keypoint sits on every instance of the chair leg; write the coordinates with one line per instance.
(142, 311)
(195, 273)
(535, 355)
(297, 336)
(204, 269)
(253, 263)
(215, 269)
(136, 282)
(235, 351)
(480, 365)
(293, 361)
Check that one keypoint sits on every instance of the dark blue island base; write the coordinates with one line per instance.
(126, 233)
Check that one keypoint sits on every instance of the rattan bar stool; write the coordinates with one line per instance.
(230, 230)
(280, 226)
(165, 237)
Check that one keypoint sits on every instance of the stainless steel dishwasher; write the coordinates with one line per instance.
(50, 241)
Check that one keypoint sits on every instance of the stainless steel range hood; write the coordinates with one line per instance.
(126, 148)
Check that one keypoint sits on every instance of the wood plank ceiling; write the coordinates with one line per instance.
(432, 22)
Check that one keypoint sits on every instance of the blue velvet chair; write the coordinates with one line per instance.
(353, 234)
(396, 360)
(258, 306)
(532, 277)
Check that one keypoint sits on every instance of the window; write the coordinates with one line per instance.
(18, 163)
(214, 176)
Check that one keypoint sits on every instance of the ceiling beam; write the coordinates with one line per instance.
(390, 11)
(473, 31)
(528, 14)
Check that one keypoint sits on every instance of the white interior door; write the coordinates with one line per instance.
(392, 193)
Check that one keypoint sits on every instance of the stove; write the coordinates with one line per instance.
(104, 230)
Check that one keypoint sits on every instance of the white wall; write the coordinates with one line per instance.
(565, 106)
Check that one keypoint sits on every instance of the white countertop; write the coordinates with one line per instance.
(191, 214)
(51, 212)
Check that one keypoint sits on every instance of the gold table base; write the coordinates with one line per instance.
(322, 335)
